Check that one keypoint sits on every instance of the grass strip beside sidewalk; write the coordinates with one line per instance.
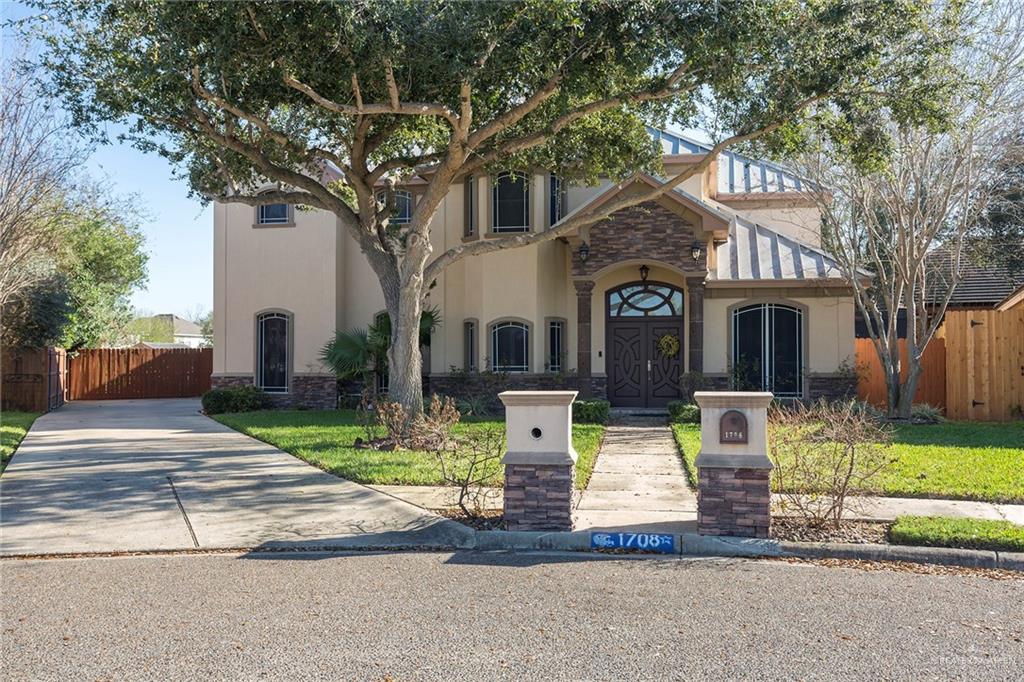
(13, 427)
(939, 531)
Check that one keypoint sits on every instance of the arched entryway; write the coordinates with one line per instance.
(644, 342)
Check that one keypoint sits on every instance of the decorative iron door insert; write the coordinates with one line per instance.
(644, 341)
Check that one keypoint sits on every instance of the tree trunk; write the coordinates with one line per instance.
(405, 362)
(907, 391)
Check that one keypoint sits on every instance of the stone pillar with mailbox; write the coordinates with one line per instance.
(540, 462)
(733, 468)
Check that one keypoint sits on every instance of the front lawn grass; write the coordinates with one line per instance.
(954, 460)
(937, 531)
(324, 439)
(13, 427)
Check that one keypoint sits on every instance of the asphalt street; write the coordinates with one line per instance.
(406, 616)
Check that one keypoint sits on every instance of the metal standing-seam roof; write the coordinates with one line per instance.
(755, 253)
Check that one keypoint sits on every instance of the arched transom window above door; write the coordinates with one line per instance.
(645, 299)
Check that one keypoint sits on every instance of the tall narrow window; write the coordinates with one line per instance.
(556, 199)
(469, 203)
(272, 352)
(510, 347)
(510, 198)
(768, 349)
(556, 337)
(469, 344)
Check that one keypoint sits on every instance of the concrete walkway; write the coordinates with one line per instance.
(132, 475)
(638, 482)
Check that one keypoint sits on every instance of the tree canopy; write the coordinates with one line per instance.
(335, 102)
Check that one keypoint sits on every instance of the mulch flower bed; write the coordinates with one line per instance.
(855, 532)
(489, 519)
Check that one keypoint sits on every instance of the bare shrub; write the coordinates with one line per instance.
(469, 465)
(824, 453)
(394, 419)
(433, 429)
(366, 416)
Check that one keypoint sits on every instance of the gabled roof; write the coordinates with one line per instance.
(756, 253)
(980, 285)
(737, 173)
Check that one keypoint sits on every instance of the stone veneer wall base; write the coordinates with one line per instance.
(308, 391)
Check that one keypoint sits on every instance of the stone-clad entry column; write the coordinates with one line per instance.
(584, 289)
(695, 313)
(540, 464)
(733, 468)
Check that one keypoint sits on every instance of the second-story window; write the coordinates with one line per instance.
(273, 214)
(556, 199)
(403, 206)
(510, 199)
(469, 203)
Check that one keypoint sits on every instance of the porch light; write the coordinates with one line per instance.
(584, 252)
(696, 250)
(644, 271)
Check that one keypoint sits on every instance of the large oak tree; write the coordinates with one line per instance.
(244, 92)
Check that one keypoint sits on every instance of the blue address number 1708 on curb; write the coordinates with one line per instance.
(644, 542)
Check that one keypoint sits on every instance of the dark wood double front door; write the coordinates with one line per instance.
(644, 345)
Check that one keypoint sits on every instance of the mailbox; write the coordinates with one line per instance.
(732, 427)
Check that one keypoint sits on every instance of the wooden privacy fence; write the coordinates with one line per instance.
(119, 373)
(931, 387)
(985, 363)
(33, 379)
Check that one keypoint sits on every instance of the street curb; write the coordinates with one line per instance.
(945, 556)
(1010, 561)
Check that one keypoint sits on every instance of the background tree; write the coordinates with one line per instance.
(70, 254)
(999, 237)
(149, 327)
(334, 103)
(898, 229)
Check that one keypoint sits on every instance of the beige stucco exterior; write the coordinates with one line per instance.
(316, 273)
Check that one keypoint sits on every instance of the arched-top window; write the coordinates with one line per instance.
(403, 206)
(272, 351)
(768, 349)
(510, 346)
(645, 300)
(273, 214)
(510, 203)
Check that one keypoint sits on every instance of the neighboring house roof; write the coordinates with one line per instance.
(158, 344)
(756, 253)
(979, 286)
(1013, 300)
(179, 325)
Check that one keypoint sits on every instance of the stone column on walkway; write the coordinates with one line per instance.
(584, 289)
(695, 313)
(733, 468)
(540, 462)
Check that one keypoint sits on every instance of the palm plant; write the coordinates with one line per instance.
(363, 353)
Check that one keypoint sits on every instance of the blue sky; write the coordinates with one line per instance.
(179, 230)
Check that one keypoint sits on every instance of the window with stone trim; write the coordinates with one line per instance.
(510, 203)
(272, 351)
(273, 214)
(510, 346)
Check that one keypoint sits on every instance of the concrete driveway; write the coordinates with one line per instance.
(133, 475)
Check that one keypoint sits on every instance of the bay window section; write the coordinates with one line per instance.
(510, 347)
(510, 203)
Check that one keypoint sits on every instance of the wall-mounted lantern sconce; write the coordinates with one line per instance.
(644, 271)
(584, 252)
(696, 250)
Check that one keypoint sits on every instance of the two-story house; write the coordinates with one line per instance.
(723, 276)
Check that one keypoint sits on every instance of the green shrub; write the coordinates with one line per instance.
(682, 412)
(924, 413)
(240, 399)
(591, 411)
